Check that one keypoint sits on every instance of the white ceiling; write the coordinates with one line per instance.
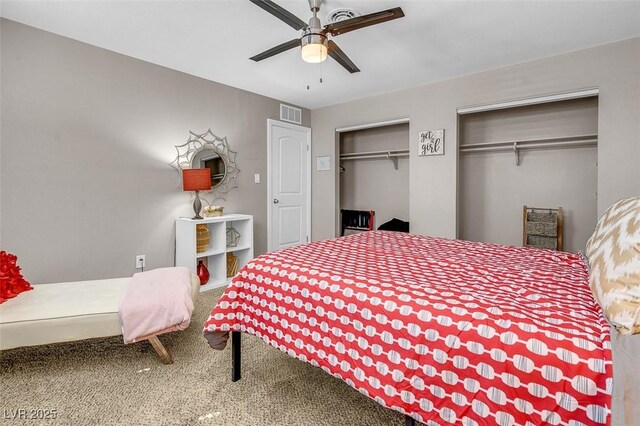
(436, 40)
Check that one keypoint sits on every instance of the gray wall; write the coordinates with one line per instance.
(374, 184)
(493, 189)
(1, 125)
(87, 135)
(613, 68)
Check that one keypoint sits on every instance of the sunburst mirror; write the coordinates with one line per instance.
(208, 151)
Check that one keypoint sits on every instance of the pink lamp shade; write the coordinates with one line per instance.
(196, 179)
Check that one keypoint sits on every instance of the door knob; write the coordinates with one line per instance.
(276, 201)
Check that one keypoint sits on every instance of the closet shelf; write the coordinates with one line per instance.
(517, 145)
(392, 154)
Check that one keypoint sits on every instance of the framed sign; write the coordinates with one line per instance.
(431, 142)
(323, 163)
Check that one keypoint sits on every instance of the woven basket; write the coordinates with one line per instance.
(232, 265)
(202, 238)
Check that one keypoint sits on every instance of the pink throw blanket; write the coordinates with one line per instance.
(156, 302)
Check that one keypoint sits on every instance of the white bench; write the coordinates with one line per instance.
(64, 312)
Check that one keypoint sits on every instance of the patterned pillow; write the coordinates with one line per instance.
(614, 258)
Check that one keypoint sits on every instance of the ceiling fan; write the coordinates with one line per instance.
(314, 41)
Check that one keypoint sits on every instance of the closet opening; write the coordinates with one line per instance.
(541, 155)
(373, 177)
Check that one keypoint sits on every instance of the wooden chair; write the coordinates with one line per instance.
(360, 220)
(542, 227)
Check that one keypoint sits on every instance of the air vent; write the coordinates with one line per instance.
(290, 114)
(341, 14)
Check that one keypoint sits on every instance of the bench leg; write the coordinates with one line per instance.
(409, 421)
(236, 356)
(164, 355)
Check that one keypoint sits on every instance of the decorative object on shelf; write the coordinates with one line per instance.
(202, 237)
(12, 282)
(196, 180)
(203, 272)
(431, 142)
(542, 228)
(232, 265)
(208, 151)
(233, 236)
(212, 211)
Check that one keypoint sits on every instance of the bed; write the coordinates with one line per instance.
(71, 311)
(445, 331)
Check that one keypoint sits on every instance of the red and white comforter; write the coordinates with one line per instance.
(446, 331)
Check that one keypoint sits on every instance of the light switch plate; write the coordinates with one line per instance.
(323, 163)
(256, 178)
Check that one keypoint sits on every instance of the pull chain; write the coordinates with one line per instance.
(321, 73)
(321, 67)
(308, 76)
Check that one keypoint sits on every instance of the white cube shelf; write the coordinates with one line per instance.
(216, 252)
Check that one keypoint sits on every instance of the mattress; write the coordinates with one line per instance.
(63, 312)
(446, 331)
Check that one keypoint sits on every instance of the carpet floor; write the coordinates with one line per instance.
(102, 381)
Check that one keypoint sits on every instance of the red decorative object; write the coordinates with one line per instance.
(12, 282)
(203, 273)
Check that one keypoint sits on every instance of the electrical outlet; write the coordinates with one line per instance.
(140, 261)
(256, 178)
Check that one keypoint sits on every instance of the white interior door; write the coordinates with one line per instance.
(288, 184)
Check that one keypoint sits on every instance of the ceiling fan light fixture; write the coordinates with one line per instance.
(314, 43)
(314, 48)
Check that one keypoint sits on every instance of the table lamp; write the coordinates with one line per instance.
(196, 180)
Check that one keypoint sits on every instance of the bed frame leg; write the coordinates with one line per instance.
(236, 346)
(409, 421)
(162, 352)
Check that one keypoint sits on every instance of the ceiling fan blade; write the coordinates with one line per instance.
(340, 57)
(358, 22)
(281, 13)
(275, 50)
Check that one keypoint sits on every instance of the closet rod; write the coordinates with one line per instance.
(509, 144)
(373, 154)
(392, 155)
(566, 142)
(516, 145)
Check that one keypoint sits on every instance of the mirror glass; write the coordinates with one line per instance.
(208, 158)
